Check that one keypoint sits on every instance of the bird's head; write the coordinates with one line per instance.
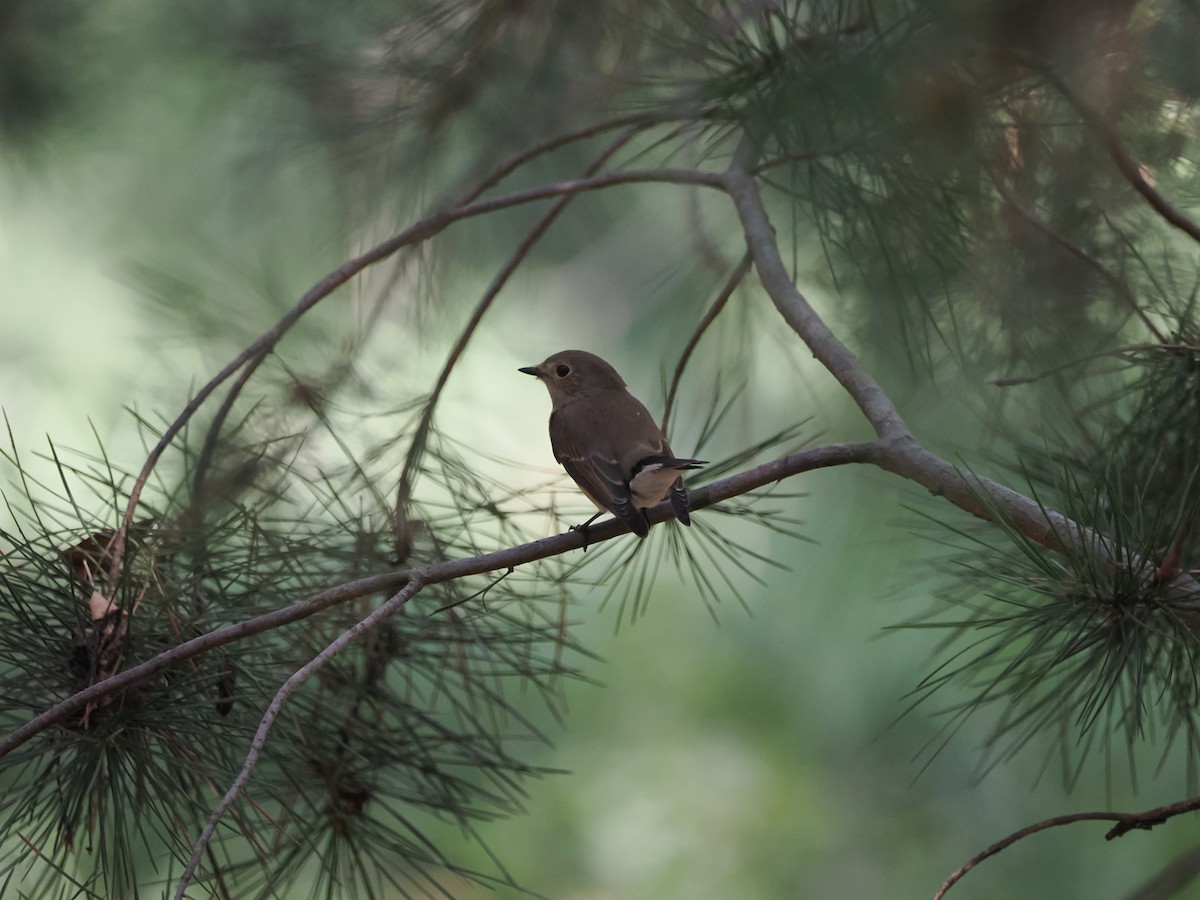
(571, 373)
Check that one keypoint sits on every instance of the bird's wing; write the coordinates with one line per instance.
(596, 469)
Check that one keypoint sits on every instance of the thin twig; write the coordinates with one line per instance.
(416, 448)
(208, 448)
(699, 498)
(633, 121)
(289, 687)
(1092, 357)
(1126, 822)
(576, 186)
(710, 316)
(796, 310)
(1170, 879)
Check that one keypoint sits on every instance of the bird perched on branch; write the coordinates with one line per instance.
(608, 442)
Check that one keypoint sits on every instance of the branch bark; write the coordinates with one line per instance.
(741, 483)
(1126, 822)
(289, 687)
(900, 453)
(797, 311)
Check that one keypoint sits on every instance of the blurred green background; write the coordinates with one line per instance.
(166, 195)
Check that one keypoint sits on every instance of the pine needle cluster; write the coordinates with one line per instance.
(414, 724)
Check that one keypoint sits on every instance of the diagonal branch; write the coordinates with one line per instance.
(437, 573)
(209, 447)
(710, 316)
(902, 455)
(288, 688)
(1170, 880)
(796, 310)
(1078, 252)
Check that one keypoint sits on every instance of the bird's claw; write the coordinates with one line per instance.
(584, 528)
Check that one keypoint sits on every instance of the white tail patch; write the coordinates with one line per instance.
(651, 484)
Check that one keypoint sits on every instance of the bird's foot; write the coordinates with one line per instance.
(583, 528)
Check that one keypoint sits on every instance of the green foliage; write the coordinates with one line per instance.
(1094, 645)
(946, 171)
(414, 723)
(1078, 652)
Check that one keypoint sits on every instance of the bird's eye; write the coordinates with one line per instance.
(563, 370)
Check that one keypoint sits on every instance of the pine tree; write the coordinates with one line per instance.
(278, 649)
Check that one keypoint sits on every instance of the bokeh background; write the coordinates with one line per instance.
(170, 182)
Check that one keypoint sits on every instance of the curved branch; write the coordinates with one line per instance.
(901, 454)
(209, 447)
(1170, 880)
(414, 234)
(1126, 822)
(421, 435)
(633, 122)
(288, 688)
(796, 310)
(988, 499)
(436, 573)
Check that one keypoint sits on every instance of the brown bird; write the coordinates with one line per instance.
(608, 442)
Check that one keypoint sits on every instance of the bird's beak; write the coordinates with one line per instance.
(535, 371)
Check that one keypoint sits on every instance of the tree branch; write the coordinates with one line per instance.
(710, 316)
(436, 573)
(209, 447)
(414, 234)
(1126, 822)
(796, 310)
(1168, 881)
(634, 122)
(901, 454)
(1079, 253)
(421, 435)
(288, 688)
